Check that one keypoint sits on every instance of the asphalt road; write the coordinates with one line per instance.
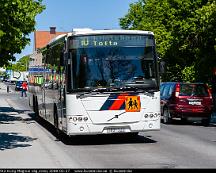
(178, 145)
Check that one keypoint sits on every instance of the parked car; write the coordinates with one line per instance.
(188, 101)
(18, 85)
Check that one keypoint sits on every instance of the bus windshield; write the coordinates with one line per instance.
(113, 61)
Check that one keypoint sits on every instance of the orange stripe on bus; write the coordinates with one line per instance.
(118, 102)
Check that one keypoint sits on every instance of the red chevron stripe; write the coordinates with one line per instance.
(118, 102)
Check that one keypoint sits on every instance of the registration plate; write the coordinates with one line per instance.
(116, 130)
(194, 103)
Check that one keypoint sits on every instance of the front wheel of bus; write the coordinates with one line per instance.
(166, 116)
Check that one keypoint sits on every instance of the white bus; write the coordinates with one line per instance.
(98, 82)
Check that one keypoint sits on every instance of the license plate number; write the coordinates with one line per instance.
(194, 103)
(116, 130)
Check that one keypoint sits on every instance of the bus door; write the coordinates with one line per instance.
(61, 107)
(62, 91)
(58, 95)
(61, 99)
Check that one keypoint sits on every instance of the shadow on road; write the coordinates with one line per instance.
(7, 109)
(12, 140)
(11, 109)
(106, 139)
(8, 119)
(101, 139)
(8, 115)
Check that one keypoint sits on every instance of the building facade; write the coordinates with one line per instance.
(41, 39)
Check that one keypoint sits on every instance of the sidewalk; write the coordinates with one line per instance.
(3, 88)
(23, 142)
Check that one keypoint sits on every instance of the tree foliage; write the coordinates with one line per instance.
(21, 64)
(185, 33)
(17, 21)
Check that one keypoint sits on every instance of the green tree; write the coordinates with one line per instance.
(17, 21)
(185, 33)
(21, 64)
(188, 74)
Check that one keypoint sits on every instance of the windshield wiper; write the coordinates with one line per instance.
(85, 92)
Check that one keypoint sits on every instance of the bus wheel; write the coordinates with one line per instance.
(166, 116)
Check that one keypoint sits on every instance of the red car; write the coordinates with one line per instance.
(188, 101)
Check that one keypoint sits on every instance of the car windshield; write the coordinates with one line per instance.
(193, 90)
(114, 61)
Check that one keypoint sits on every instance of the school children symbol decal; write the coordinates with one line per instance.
(124, 101)
(132, 103)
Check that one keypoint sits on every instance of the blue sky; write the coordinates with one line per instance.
(68, 14)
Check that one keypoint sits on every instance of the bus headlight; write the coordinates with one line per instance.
(85, 118)
(152, 115)
(79, 118)
(75, 119)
